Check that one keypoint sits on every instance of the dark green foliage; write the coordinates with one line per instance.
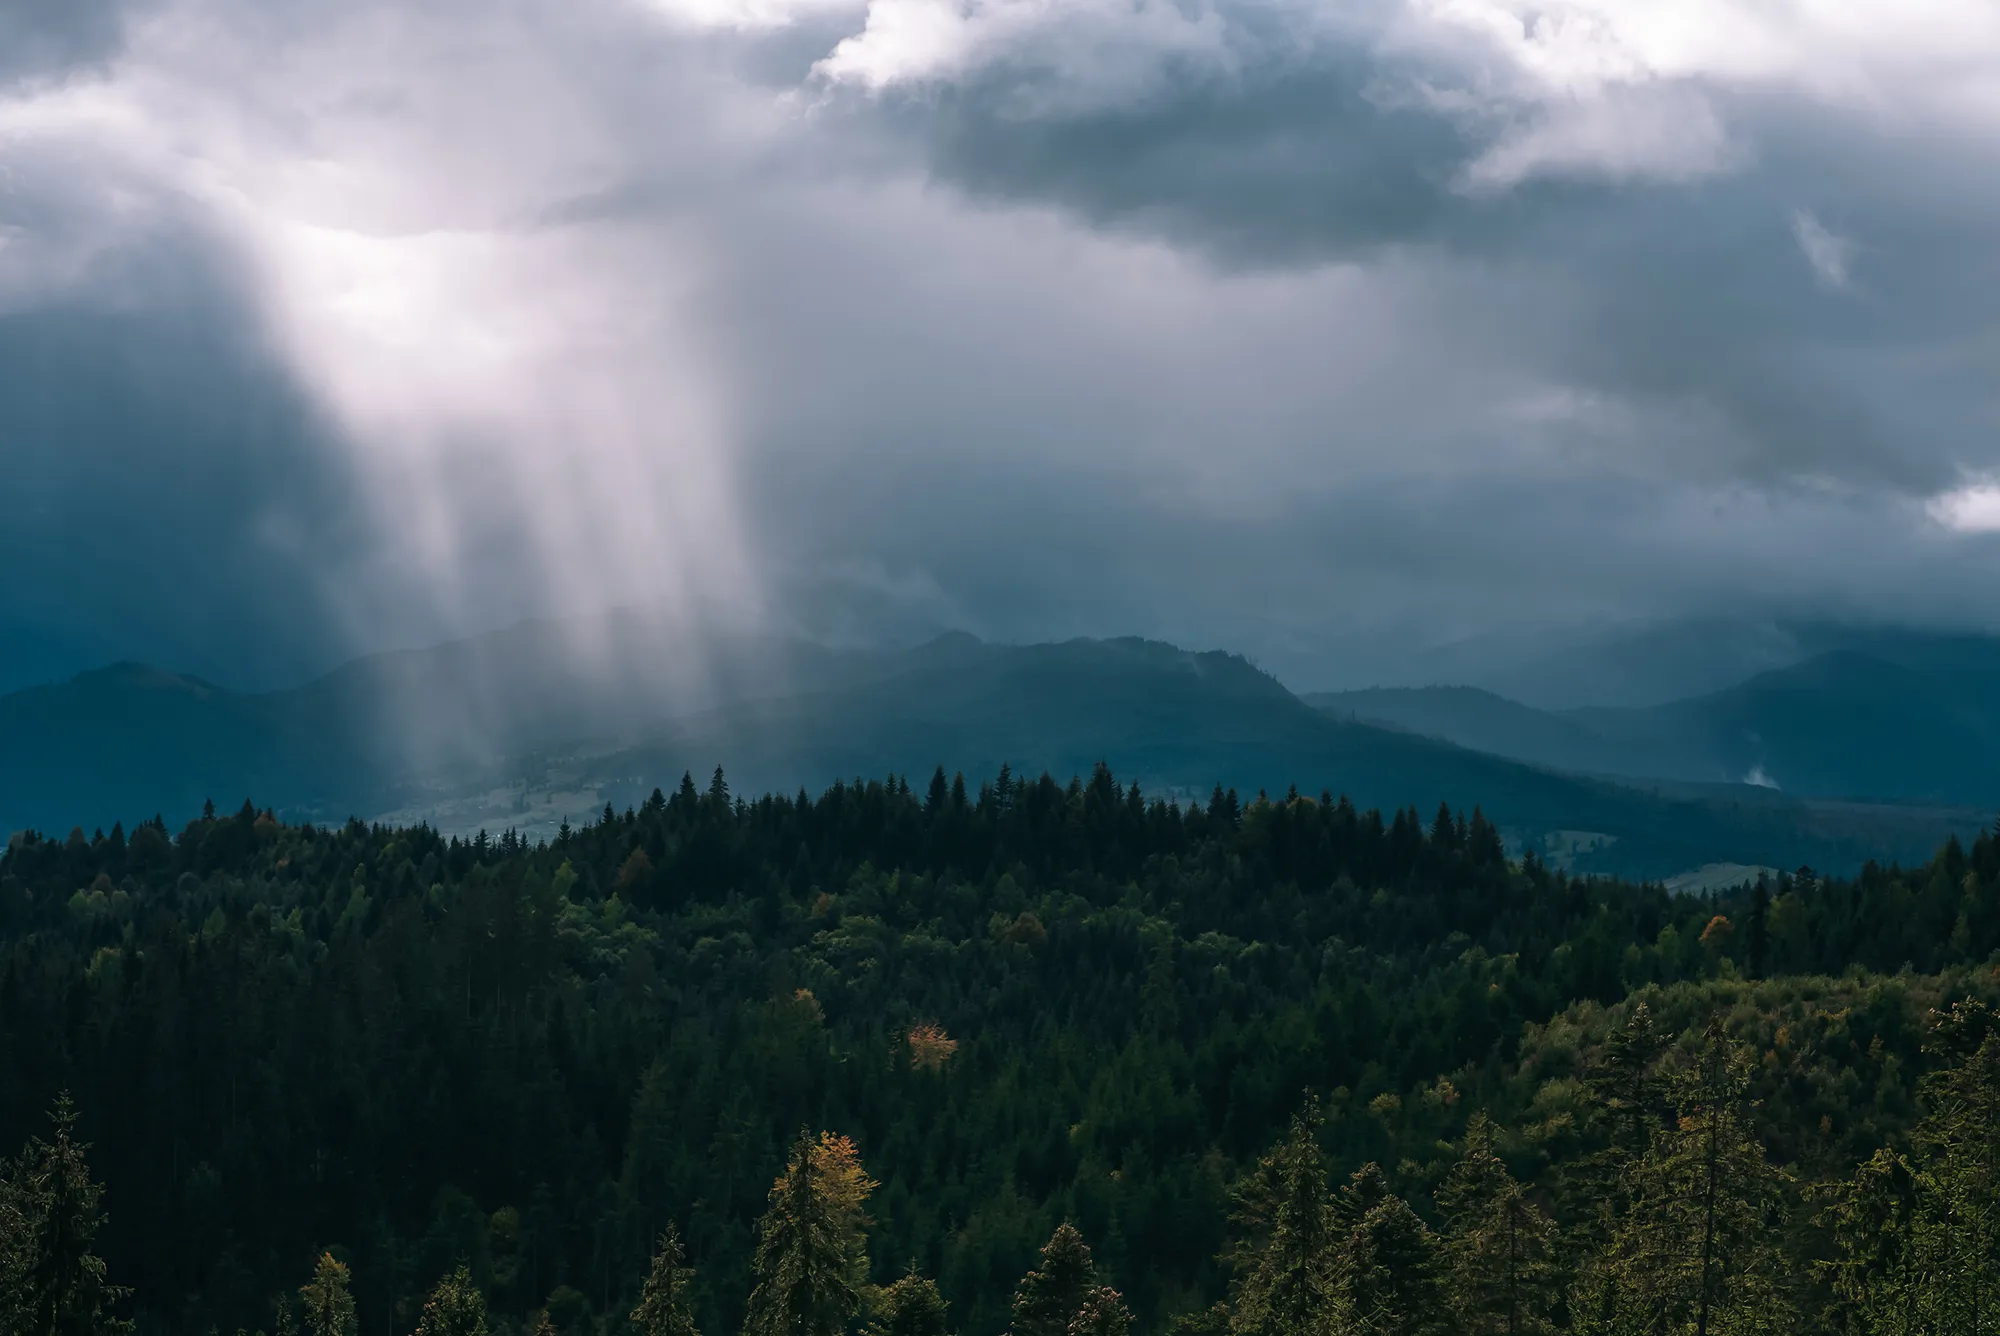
(52, 1282)
(1698, 1248)
(1102, 1313)
(662, 1309)
(1499, 1245)
(911, 1306)
(808, 1247)
(1877, 1275)
(1055, 1293)
(1392, 1273)
(525, 1060)
(328, 1304)
(456, 1308)
(1287, 1255)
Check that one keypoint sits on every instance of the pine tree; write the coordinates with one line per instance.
(1878, 1271)
(911, 1306)
(810, 1251)
(59, 1286)
(663, 1304)
(1697, 1250)
(1498, 1245)
(1050, 1296)
(1627, 1105)
(1390, 1273)
(329, 1306)
(13, 1254)
(1958, 1143)
(455, 1308)
(1287, 1274)
(1102, 1313)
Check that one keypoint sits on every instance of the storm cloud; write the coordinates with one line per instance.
(1288, 327)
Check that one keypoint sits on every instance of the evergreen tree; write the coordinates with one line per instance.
(1390, 1273)
(1959, 1187)
(1287, 1276)
(328, 1304)
(1627, 1105)
(1050, 1296)
(13, 1254)
(663, 1303)
(59, 1285)
(1697, 1252)
(810, 1244)
(455, 1308)
(911, 1306)
(1102, 1313)
(1879, 1270)
(1498, 1245)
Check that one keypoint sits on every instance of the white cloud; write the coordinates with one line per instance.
(1830, 256)
(1097, 50)
(751, 15)
(1668, 135)
(1973, 508)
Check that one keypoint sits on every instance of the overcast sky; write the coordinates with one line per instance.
(327, 325)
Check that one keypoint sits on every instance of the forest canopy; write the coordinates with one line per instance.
(1052, 1059)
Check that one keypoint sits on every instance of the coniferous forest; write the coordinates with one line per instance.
(1054, 1060)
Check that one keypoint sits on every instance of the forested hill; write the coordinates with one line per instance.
(1021, 1003)
(522, 729)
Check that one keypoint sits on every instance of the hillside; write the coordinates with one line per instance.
(1019, 1003)
(508, 732)
(1922, 727)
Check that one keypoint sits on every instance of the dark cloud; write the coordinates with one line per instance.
(1280, 167)
(1250, 330)
(171, 492)
(47, 39)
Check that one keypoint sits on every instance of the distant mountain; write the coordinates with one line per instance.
(1914, 723)
(129, 740)
(1625, 665)
(1181, 722)
(1619, 664)
(1479, 719)
(527, 726)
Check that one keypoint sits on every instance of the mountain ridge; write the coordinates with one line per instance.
(404, 738)
(1841, 724)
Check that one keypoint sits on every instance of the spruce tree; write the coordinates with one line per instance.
(59, 1285)
(1498, 1245)
(1390, 1273)
(1878, 1274)
(1287, 1275)
(911, 1306)
(663, 1304)
(1959, 1185)
(1102, 1313)
(455, 1308)
(810, 1244)
(328, 1303)
(1697, 1251)
(1626, 1105)
(13, 1254)
(1050, 1296)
